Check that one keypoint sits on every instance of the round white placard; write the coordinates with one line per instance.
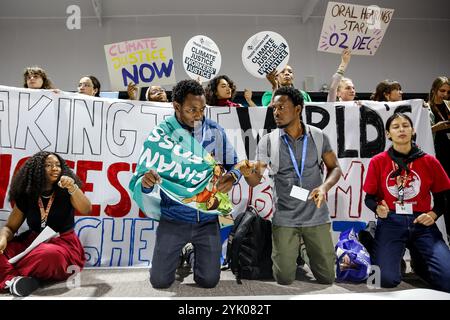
(264, 52)
(201, 58)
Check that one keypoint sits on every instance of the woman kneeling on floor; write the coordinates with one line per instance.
(400, 184)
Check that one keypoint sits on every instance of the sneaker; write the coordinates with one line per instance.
(187, 253)
(22, 286)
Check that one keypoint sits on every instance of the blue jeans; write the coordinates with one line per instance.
(427, 247)
(171, 236)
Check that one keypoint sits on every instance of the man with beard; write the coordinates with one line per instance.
(292, 157)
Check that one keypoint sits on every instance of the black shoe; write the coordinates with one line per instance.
(300, 261)
(187, 252)
(22, 286)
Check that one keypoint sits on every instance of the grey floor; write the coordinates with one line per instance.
(113, 283)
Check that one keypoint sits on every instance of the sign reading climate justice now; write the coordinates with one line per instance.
(201, 58)
(360, 28)
(144, 62)
(264, 52)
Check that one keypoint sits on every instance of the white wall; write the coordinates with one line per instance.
(413, 52)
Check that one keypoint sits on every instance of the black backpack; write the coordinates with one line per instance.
(249, 246)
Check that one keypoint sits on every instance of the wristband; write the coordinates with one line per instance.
(236, 176)
(76, 188)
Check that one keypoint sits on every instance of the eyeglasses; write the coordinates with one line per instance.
(84, 84)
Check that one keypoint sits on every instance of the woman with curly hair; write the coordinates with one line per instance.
(36, 78)
(220, 91)
(45, 192)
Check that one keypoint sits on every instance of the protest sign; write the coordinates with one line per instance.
(201, 58)
(360, 28)
(144, 62)
(264, 52)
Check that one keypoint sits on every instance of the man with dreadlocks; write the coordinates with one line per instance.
(45, 192)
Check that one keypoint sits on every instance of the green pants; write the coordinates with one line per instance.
(319, 247)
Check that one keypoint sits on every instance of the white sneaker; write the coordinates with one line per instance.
(22, 286)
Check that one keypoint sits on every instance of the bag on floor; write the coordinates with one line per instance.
(367, 236)
(352, 259)
(249, 246)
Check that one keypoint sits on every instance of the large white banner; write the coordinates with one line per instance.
(102, 139)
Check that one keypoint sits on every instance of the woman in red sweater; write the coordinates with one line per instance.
(399, 185)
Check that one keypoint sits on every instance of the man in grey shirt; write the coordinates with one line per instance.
(299, 190)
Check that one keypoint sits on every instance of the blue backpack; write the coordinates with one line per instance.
(358, 268)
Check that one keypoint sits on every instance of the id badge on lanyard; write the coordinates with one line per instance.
(402, 207)
(405, 208)
(45, 212)
(298, 192)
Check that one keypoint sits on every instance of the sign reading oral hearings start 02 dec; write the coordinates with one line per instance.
(201, 58)
(264, 52)
(360, 28)
(144, 62)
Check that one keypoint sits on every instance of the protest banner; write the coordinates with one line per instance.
(102, 140)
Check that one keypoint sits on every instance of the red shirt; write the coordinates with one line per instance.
(427, 175)
(227, 103)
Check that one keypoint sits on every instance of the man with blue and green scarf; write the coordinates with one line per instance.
(176, 166)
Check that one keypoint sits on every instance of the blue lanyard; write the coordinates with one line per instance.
(294, 161)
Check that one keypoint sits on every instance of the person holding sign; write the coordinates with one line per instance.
(399, 188)
(220, 91)
(178, 168)
(342, 88)
(293, 154)
(90, 86)
(46, 192)
(248, 97)
(284, 78)
(154, 93)
(36, 78)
